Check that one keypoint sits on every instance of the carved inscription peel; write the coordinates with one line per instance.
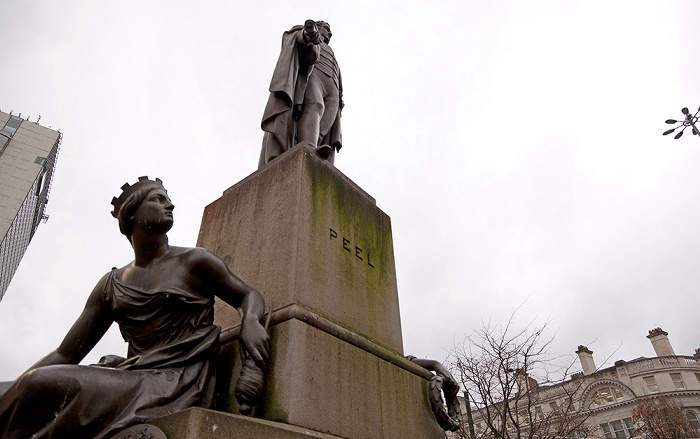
(348, 246)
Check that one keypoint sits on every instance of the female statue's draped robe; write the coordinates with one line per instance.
(172, 343)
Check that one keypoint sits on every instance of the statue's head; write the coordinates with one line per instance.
(131, 199)
(325, 30)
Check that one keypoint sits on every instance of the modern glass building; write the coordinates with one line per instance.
(28, 154)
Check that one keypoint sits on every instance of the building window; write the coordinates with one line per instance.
(693, 419)
(555, 408)
(538, 412)
(630, 426)
(618, 429)
(11, 126)
(4, 140)
(607, 395)
(677, 381)
(8, 131)
(697, 377)
(622, 429)
(651, 384)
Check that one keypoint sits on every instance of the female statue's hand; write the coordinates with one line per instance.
(451, 386)
(255, 341)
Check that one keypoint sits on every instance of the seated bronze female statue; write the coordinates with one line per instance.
(163, 302)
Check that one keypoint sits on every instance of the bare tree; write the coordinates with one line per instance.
(661, 418)
(508, 373)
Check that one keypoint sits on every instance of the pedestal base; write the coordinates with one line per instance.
(196, 423)
(329, 379)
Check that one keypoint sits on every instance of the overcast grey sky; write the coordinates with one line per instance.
(515, 145)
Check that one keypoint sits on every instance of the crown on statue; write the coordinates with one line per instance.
(128, 189)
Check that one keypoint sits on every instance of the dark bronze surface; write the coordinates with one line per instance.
(306, 95)
(141, 431)
(443, 383)
(163, 302)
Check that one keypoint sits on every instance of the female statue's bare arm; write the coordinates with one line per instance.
(86, 331)
(238, 294)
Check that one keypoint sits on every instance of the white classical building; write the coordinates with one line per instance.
(603, 400)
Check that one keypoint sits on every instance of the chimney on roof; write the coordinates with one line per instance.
(659, 339)
(585, 355)
(524, 381)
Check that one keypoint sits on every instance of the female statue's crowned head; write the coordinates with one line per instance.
(145, 202)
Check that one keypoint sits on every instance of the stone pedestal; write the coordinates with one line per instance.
(196, 423)
(313, 242)
(299, 231)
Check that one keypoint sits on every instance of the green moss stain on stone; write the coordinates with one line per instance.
(366, 265)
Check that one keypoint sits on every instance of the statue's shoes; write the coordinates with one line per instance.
(324, 151)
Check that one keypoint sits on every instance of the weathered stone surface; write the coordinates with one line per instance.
(301, 232)
(196, 423)
(328, 385)
(317, 245)
(4, 385)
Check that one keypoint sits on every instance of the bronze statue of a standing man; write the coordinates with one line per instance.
(306, 95)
